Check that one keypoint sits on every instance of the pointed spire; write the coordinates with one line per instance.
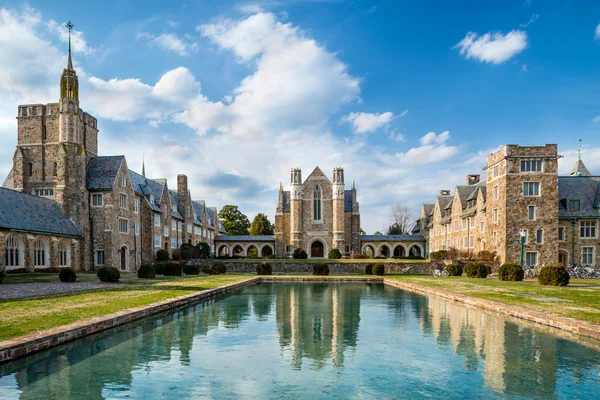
(143, 166)
(353, 185)
(69, 61)
(579, 169)
(280, 186)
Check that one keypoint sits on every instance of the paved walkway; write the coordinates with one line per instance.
(23, 290)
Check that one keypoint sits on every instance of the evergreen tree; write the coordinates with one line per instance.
(261, 225)
(234, 222)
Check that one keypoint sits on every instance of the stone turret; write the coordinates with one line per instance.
(296, 207)
(338, 190)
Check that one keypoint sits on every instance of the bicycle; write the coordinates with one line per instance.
(440, 272)
(530, 271)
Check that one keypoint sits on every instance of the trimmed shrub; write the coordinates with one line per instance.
(159, 268)
(109, 274)
(476, 270)
(299, 254)
(208, 270)
(320, 269)
(378, 269)
(147, 271)
(67, 275)
(172, 268)
(454, 269)
(334, 254)
(191, 269)
(264, 269)
(380, 257)
(204, 249)
(407, 258)
(485, 255)
(359, 256)
(554, 275)
(219, 268)
(511, 272)
(369, 269)
(162, 255)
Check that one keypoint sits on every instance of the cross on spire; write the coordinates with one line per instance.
(69, 27)
(579, 148)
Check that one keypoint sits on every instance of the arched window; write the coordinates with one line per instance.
(13, 253)
(40, 253)
(63, 255)
(318, 196)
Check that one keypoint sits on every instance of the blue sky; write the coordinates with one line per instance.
(408, 96)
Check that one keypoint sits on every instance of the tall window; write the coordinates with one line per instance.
(100, 257)
(30, 166)
(495, 192)
(539, 236)
(587, 229)
(40, 253)
(123, 225)
(531, 259)
(137, 229)
(531, 213)
(156, 240)
(531, 189)
(63, 255)
(456, 226)
(495, 215)
(13, 253)
(173, 243)
(531, 166)
(123, 182)
(561, 233)
(123, 201)
(136, 206)
(173, 225)
(318, 197)
(166, 231)
(496, 171)
(587, 255)
(156, 220)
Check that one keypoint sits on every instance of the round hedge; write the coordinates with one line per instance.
(378, 269)
(67, 275)
(299, 254)
(554, 275)
(173, 268)
(190, 269)
(511, 272)
(454, 269)
(109, 274)
(369, 269)
(162, 255)
(147, 271)
(476, 270)
(264, 269)
(320, 269)
(334, 254)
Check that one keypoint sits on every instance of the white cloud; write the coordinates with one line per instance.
(432, 138)
(167, 41)
(367, 122)
(78, 43)
(494, 48)
(596, 119)
(433, 149)
(250, 8)
(597, 33)
(533, 18)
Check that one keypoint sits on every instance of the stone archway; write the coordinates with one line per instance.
(415, 251)
(384, 250)
(237, 251)
(222, 250)
(400, 251)
(317, 249)
(368, 250)
(252, 251)
(124, 259)
(266, 250)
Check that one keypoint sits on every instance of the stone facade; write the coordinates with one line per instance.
(522, 195)
(317, 215)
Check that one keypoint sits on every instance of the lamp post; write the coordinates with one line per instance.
(522, 235)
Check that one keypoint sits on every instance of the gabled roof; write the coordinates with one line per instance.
(443, 201)
(175, 202)
(101, 172)
(211, 213)
(222, 230)
(584, 188)
(24, 212)
(139, 183)
(579, 169)
(198, 207)
(317, 172)
(464, 192)
(428, 209)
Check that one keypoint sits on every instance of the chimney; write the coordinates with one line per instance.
(182, 191)
(444, 193)
(472, 179)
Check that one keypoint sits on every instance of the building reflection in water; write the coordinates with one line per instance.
(316, 325)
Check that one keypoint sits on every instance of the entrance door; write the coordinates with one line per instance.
(123, 258)
(316, 249)
(562, 259)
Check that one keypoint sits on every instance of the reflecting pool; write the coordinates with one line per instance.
(314, 340)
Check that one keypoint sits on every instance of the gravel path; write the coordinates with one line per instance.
(23, 290)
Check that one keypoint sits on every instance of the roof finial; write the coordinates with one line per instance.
(579, 148)
(143, 166)
(69, 62)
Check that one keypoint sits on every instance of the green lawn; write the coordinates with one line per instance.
(585, 295)
(23, 316)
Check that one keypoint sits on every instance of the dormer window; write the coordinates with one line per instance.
(151, 199)
(574, 205)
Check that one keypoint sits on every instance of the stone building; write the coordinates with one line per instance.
(522, 195)
(119, 217)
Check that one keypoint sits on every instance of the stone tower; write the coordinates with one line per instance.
(296, 207)
(338, 216)
(526, 178)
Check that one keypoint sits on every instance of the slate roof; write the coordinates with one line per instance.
(24, 212)
(585, 188)
(175, 202)
(155, 188)
(222, 230)
(428, 208)
(443, 201)
(101, 172)
(211, 213)
(245, 238)
(464, 192)
(579, 169)
(139, 183)
(198, 209)
(473, 195)
(392, 238)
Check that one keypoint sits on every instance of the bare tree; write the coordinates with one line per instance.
(402, 220)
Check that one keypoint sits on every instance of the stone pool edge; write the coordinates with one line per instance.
(31, 343)
(582, 328)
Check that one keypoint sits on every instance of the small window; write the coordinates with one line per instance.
(44, 133)
(482, 226)
(157, 220)
(30, 166)
(561, 233)
(496, 171)
(531, 189)
(471, 241)
(180, 226)
(473, 222)
(587, 229)
(100, 257)
(495, 238)
(173, 225)
(173, 243)
(123, 182)
(531, 213)
(55, 169)
(495, 215)
(137, 229)
(464, 224)
(531, 166)
(189, 228)
(456, 225)
(123, 201)
(587, 255)
(450, 227)
(495, 192)
(539, 236)
(166, 231)
(574, 205)
(136, 206)
(347, 249)
(123, 225)
(151, 199)
(156, 240)
(531, 259)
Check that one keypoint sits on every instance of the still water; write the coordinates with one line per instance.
(310, 341)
